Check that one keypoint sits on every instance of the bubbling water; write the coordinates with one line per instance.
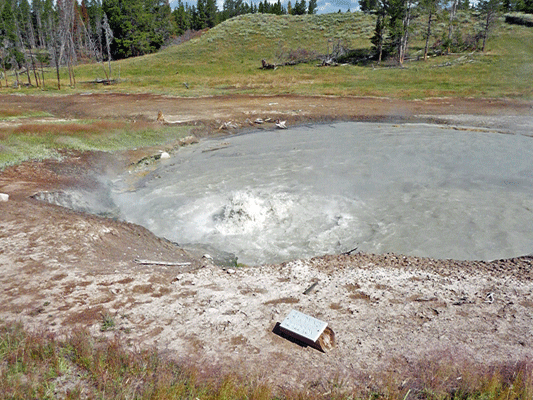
(264, 226)
(413, 189)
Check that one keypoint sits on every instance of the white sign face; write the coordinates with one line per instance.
(304, 325)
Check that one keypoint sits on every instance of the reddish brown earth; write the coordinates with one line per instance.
(61, 269)
(238, 108)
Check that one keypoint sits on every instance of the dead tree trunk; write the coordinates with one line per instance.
(42, 74)
(5, 73)
(108, 38)
(453, 11)
(405, 36)
(266, 65)
(426, 47)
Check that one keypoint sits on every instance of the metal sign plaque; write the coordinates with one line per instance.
(303, 325)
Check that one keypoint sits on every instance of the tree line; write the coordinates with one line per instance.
(205, 13)
(394, 18)
(64, 32)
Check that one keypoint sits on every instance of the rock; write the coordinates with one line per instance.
(281, 124)
(188, 140)
(228, 125)
(165, 155)
(4, 197)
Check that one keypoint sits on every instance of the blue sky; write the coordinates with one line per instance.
(324, 6)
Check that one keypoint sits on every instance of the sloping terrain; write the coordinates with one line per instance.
(226, 60)
(62, 269)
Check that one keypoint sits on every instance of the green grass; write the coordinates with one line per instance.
(12, 114)
(42, 140)
(226, 60)
(79, 366)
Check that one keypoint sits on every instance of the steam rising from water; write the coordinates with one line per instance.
(412, 189)
(271, 226)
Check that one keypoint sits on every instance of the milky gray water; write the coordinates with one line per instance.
(271, 196)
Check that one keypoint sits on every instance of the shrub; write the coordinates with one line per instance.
(519, 19)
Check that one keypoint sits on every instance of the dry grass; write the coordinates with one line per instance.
(20, 114)
(93, 128)
(448, 374)
(9, 113)
(39, 365)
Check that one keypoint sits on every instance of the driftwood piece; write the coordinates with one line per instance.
(310, 288)
(102, 81)
(162, 120)
(347, 253)
(165, 263)
(328, 63)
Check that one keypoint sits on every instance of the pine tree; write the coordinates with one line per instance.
(300, 7)
(368, 5)
(277, 8)
(399, 16)
(211, 12)
(526, 6)
(11, 55)
(490, 10)
(182, 18)
(200, 17)
(312, 8)
(430, 7)
(379, 31)
(140, 26)
(463, 5)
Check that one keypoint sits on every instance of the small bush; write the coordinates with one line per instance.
(108, 322)
(519, 19)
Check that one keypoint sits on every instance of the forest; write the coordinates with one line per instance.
(64, 33)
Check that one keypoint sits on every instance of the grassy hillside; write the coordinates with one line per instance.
(226, 60)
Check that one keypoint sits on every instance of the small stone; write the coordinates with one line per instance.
(231, 271)
(164, 155)
(4, 197)
(281, 124)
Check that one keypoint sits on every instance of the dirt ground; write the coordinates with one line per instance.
(61, 269)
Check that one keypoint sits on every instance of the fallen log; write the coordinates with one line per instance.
(101, 81)
(266, 65)
(310, 288)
